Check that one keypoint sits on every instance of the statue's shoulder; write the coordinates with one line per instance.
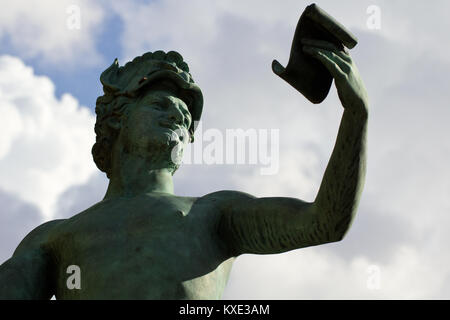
(39, 236)
(225, 197)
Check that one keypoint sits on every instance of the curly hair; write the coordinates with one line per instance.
(107, 108)
(124, 85)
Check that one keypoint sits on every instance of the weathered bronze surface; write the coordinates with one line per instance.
(144, 242)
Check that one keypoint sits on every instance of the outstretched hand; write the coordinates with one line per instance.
(349, 85)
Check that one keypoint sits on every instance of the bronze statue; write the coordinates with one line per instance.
(142, 241)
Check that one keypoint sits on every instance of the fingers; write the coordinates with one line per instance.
(329, 54)
(277, 67)
(336, 65)
(341, 52)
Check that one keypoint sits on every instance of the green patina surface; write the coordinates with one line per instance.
(144, 242)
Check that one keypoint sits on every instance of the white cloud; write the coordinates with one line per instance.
(298, 176)
(314, 273)
(164, 22)
(44, 146)
(404, 67)
(17, 218)
(229, 47)
(42, 30)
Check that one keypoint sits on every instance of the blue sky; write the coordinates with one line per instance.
(69, 79)
(49, 81)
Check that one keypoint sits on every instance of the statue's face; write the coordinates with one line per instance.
(157, 123)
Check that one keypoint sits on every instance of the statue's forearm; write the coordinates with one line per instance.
(339, 193)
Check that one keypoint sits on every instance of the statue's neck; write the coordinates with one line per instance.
(132, 175)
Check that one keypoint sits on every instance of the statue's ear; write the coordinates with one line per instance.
(114, 123)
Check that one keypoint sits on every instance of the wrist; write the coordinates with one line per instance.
(358, 111)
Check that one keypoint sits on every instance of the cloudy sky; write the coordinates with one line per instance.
(397, 247)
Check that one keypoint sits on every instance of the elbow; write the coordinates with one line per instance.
(341, 228)
(338, 237)
(335, 226)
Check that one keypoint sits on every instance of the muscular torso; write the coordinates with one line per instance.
(147, 247)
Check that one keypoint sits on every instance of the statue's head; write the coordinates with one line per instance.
(150, 105)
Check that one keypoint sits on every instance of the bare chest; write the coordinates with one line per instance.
(151, 247)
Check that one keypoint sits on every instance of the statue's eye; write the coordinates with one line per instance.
(158, 106)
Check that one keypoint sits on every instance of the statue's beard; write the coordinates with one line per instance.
(158, 153)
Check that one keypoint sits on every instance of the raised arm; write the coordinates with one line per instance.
(273, 225)
(343, 181)
(26, 275)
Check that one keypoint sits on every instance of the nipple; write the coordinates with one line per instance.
(182, 213)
